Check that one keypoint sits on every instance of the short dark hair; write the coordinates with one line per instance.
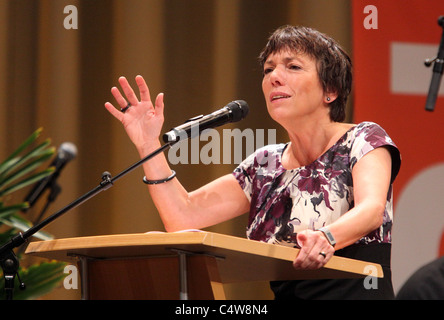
(334, 66)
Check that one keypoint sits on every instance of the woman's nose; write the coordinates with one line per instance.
(277, 77)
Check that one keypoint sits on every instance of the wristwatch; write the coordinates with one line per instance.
(328, 235)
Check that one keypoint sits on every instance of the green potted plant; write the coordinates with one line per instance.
(18, 171)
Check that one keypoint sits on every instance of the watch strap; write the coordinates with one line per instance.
(328, 235)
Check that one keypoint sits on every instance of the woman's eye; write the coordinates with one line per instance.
(267, 71)
(295, 67)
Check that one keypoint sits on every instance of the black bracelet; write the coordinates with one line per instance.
(145, 180)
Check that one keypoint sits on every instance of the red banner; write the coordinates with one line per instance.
(391, 40)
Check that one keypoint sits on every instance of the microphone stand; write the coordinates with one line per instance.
(438, 69)
(9, 261)
(54, 191)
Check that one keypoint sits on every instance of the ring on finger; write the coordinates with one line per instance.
(126, 108)
(322, 253)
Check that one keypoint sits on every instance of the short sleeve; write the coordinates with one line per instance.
(259, 168)
(244, 174)
(369, 136)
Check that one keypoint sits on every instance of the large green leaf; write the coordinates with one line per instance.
(16, 162)
(21, 148)
(9, 210)
(27, 181)
(21, 224)
(27, 167)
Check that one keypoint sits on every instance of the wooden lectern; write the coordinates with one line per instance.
(182, 265)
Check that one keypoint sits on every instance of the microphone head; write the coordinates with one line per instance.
(67, 151)
(239, 110)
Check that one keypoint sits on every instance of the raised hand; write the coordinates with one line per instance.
(141, 119)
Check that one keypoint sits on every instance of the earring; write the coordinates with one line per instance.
(328, 98)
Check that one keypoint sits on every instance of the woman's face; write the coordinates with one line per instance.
(292, 88)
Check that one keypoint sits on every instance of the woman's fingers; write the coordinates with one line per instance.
(115, 112)
(315, 251)
(159, 105)
(312, 260)
(129, 92)
(130, 96)
(121, 101)
(143, 89)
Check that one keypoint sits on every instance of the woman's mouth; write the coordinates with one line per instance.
(278, 96)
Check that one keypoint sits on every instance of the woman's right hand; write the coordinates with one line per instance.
(142, 121)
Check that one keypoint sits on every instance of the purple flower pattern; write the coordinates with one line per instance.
(284, 202)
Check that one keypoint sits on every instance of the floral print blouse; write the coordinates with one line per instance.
(283, 202)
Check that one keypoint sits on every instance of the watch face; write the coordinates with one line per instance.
(330, 238)
(328, 235)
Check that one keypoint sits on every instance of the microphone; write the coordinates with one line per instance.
(438, 69)
(232, 112)
(66, 152)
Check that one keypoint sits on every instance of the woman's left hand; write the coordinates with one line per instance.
(315, 250)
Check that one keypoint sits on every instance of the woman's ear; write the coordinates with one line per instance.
(330, 97)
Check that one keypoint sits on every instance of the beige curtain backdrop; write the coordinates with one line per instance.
(201, 53)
